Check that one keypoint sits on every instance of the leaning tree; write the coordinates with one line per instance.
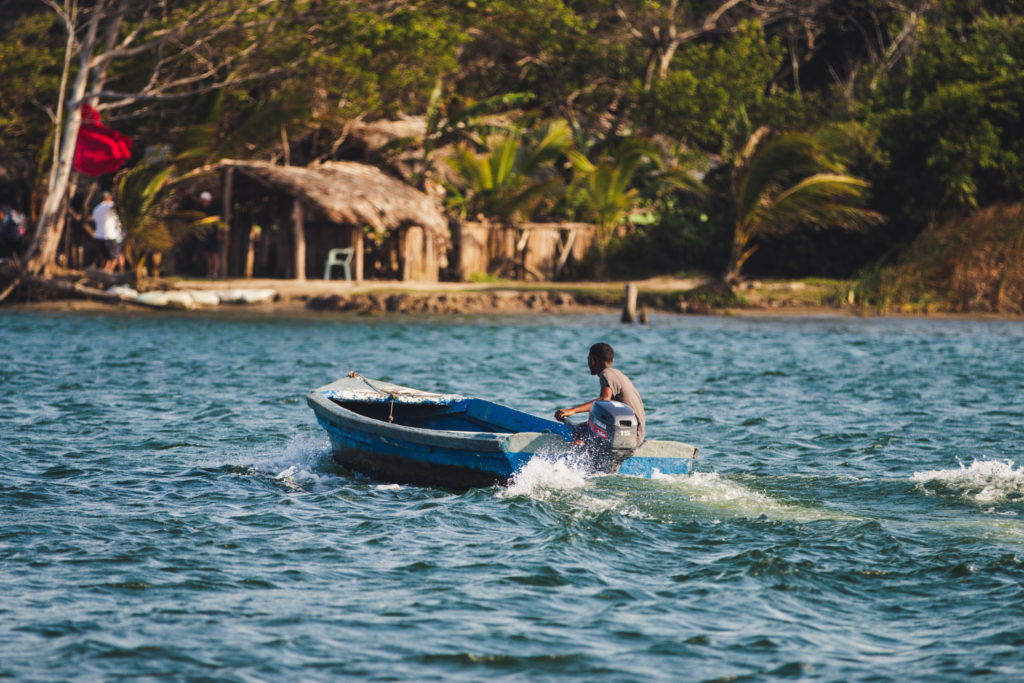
(128, 55)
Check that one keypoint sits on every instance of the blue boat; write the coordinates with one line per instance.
(397, 434)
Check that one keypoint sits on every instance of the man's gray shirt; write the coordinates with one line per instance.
(624, 392)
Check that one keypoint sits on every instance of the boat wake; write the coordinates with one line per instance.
(542, 475)
(705, 494)
(722, 497)
(984, 481)
(301, 466)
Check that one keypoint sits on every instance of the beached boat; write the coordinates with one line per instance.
(397, 434)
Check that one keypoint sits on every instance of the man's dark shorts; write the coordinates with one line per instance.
(211, 240)
(111, 249)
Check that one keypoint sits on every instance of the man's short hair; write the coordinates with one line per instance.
(603, 352)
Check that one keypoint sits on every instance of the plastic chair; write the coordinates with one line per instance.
(339, 257)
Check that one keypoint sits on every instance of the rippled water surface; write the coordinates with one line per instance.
(169, 507)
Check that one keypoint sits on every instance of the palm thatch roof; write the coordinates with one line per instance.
(352, 193)
(376, 134)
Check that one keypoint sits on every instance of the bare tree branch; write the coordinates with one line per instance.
(127, 99)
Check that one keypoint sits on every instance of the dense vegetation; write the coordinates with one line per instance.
(718, 132)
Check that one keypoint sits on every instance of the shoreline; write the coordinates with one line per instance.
(657, 296)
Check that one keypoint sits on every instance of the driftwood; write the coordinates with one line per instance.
(69, 284)
(10, 288)
(83, 291)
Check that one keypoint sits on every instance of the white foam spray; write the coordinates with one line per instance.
(298, 468)
(541, 475)
(984, 481)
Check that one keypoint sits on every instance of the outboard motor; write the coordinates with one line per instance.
(612, 434)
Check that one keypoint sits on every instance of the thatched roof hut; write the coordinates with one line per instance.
(358, 195)
(351, 193)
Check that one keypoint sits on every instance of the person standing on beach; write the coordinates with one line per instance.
(615, 386)
(211, 237)
(12, 232)
(109, 235)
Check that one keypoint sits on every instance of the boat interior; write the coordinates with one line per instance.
(464, 415)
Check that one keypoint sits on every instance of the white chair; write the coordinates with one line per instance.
(339, 257)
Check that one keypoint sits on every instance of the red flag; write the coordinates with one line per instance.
(100, 150)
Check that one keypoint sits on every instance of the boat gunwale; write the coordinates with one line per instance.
(490, 442)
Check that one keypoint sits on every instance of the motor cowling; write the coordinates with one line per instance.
(612, 428)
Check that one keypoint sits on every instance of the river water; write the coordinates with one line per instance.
(169, 508)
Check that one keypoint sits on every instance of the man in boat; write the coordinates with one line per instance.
(615, 386)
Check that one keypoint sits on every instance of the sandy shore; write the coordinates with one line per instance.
(661, 294)
(664, 295)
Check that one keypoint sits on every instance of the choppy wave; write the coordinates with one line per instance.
(983, 481)
(179, 515)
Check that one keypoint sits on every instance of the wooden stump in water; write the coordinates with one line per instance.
(629, 308)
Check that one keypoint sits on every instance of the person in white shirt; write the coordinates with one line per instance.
(108, 233)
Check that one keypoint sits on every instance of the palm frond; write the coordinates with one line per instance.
(683, 179)
(821, 200)
(435, 112)
(580, 163)
(475, 170)
(546, 145)
(503, 161)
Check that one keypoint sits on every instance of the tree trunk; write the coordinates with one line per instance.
(42, 253)
(738, 255)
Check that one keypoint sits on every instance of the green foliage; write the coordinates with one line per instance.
(30, 68)
(606, 189)
(512, 46)
(939, 85)
(698, 100)
(515, 174)
(951, 128)
(682, 238)
(144, 196)
(710, 297)
(784, 182)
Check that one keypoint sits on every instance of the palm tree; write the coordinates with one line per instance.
(781, 183)
(514, 175)
(143, 194)
(606, 188)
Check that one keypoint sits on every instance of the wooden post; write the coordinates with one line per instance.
(300, 241)
(250, 252)
(357, 245)
(408, 249)
(225, 232)
(629, 308)
(566, 251)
